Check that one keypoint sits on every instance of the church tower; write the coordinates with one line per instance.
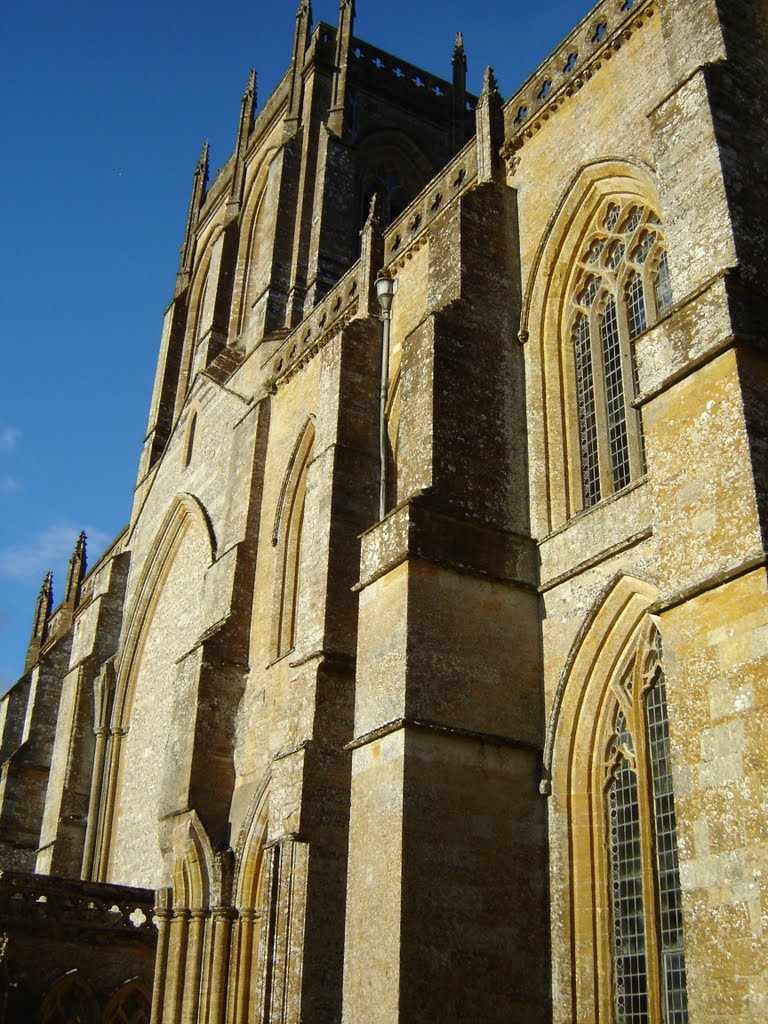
(427, 680)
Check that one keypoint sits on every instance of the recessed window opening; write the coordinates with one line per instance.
(621, 287)
(190, 445)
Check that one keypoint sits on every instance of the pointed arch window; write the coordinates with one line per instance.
(69, 1001)
(129, 1005)
(288, 539)
(190, 441)
(386, 182)
(646, 933)
(621, 286)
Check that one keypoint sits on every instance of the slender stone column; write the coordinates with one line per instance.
(112, 762)
(245, 972)
(93, 803)
(222, 930)
(177, 956)
(235, 968)
(196, 935)
(162, 918)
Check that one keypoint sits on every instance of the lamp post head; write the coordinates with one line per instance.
(385, 290)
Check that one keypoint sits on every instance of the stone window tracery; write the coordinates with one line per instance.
(129, 1005)
(646, 937)
(621, 286)
(387, 182)
(68, 1001)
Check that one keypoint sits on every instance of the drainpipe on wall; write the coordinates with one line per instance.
(385, 290)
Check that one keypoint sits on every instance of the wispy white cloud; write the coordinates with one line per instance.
(9, 484)
(9, 437)
(49, 548)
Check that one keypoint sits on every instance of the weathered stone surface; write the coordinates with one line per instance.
(373, 764)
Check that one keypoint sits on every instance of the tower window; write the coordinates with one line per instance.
(387, 182)
(620, 288)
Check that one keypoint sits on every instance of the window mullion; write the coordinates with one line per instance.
(647, 830)
(631, 412)
(589, 439)
(615, 395)
(601, 407)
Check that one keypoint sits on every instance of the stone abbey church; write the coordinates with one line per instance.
(427, 682)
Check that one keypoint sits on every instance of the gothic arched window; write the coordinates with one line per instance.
(129, 1005)
(646, 925)
(385, 181)
(69, 1001)
(288, 539)
(621, 287)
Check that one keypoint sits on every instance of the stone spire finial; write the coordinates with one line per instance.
(43, 607)
(300, 46)
(489, 118)
(244, 129)
(249, 93)
(199, 185)
(490, 85)
(343, 45)
(458, 49)
(459, 95)
(373, 212)
(76, 573)
(371, 259)
(202, 164)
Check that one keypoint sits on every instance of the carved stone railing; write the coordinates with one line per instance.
(328, 316)
(31, 902)
(572, 63)
(411, 227)
(367, 58)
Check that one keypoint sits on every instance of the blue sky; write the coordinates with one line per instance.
(104, 109)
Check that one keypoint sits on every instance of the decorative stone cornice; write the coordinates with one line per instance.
(592, 43)
(330, 316)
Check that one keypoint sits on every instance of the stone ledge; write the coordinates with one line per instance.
(439, 728)
(413, 530)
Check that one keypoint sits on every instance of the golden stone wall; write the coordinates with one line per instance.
(367, 761)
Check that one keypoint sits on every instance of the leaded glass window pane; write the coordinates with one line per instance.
(636, 317)
(630, 970)
(612, 216)
(614, 396)
(615, 255)
(667, 863)
(595, 249)
(585, 387)
(662, 285)
(647, 242)
(587, 297)
(632, 221)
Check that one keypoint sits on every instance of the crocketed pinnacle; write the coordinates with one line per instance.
(250, 87)
(490, 85)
